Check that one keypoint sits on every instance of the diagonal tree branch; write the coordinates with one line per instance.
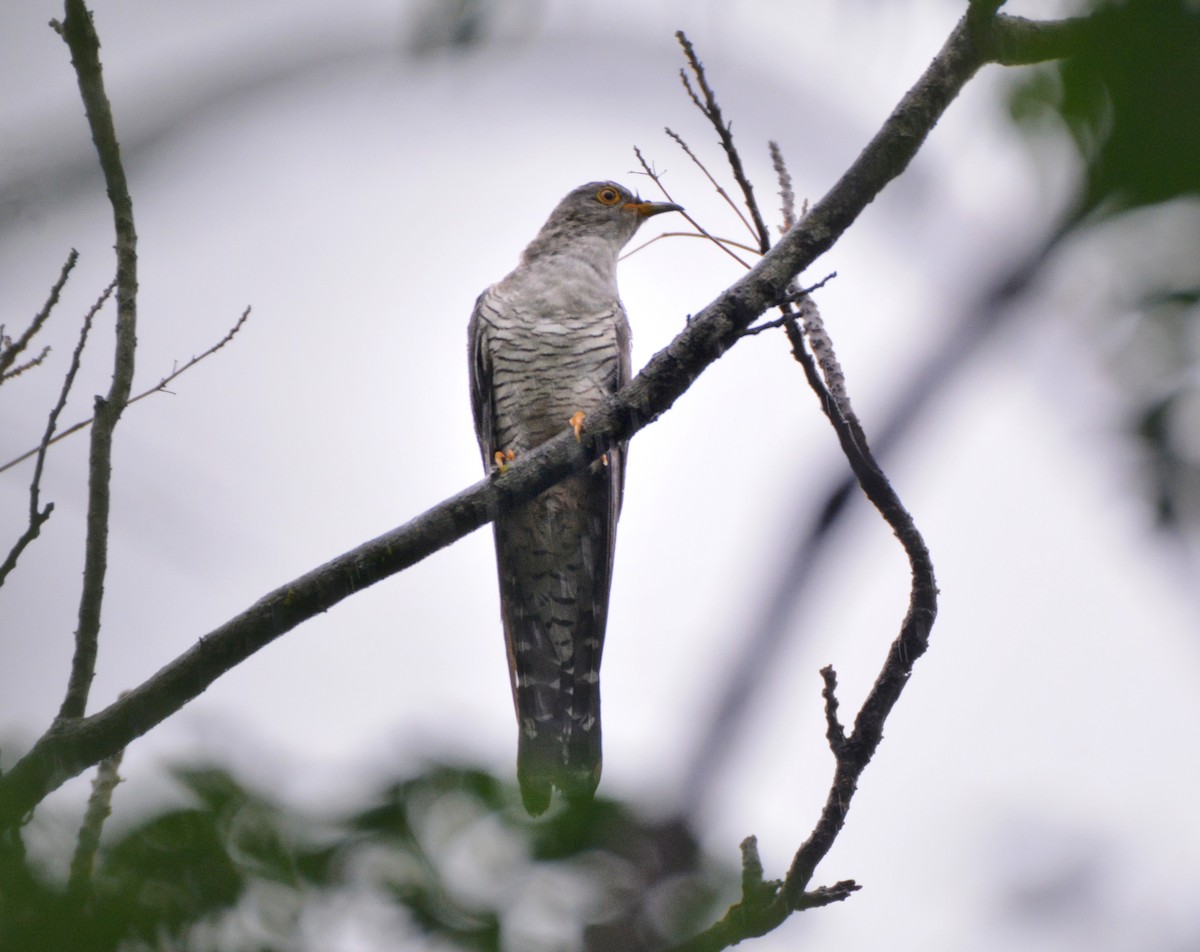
(70, 746)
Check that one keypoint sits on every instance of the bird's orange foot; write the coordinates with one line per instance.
(576, 422)
(503, 458)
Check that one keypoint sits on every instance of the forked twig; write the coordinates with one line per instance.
(712, 111)
(764, 906)
(788, 315)
(11, 350)
(657, 179)
(853, 753)
(37, 513)
(161, 386)
(715, 184)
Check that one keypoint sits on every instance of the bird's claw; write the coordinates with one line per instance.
(576, 422)
(503, 458)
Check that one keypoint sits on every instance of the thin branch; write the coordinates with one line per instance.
(762, 909)
(10, 351)
(160, 387)
(727, 242)
(657, 179)
(761, 646)
(37, 514)
(792, 298)
(69, 747)
(32, 531)
(852, 754)
(712, 111)
(715, 184)
(35, 361)
(80, 36)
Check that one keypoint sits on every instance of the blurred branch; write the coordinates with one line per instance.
(79, 33)
(11, 350)
(1020, 42)
(787, 194)
(99, 807)
(38, 514)
(160, 387)
(71, 745)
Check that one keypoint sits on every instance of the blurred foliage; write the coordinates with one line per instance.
(1129, 99)
(447, 859)
(1128, 96)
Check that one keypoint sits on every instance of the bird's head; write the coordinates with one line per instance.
(602, 210)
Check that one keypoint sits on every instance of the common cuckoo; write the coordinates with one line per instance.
(548, 344)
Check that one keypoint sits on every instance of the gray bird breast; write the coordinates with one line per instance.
(554, 555)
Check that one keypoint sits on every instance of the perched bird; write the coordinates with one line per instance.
(548, 344)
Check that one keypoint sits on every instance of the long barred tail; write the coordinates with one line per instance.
(555, 558)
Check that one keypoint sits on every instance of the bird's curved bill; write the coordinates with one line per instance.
(646, 209)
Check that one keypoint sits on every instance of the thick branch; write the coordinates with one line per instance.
(80, 35)
(71, 746)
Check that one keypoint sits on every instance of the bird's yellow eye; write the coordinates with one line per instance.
(608, 195)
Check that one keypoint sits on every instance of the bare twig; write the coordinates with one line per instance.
(657, 179)
(853, 753)
(760, 909)
(160, 387)
(35, 361)
(793, 297)
(80, 36)
(715, 184)
(678, 234)
(712, 111)
(11, 350)
(38, 514)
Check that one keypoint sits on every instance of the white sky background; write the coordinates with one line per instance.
(360, 204)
